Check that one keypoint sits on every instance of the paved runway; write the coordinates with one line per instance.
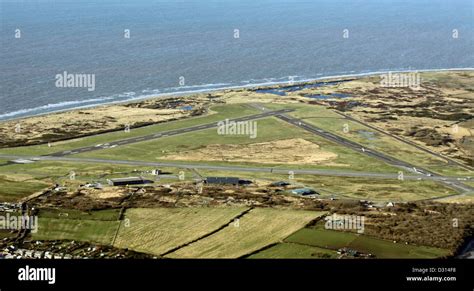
(448, 159)
(419, 173)
(165, 134)
(370, 152)
(284, 171)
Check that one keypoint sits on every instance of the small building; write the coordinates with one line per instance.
(128, 181)
(222, 180)
(97, 186)
(304, 191)
(348, 251)
(279, 184)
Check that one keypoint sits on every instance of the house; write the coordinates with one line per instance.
(128, 181)
(304, 191)
(222, 180)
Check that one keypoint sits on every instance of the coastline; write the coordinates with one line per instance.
(253, 86)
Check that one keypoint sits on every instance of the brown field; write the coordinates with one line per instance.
(437, 116)
(158, 230)
(255, 230)
(289, 151)
(463, 199)
(82, 122)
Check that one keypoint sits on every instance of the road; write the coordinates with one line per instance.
(164, 134)
(372, 153)
(449, 160)
(457, 185)
(194, 166)
(420, 173)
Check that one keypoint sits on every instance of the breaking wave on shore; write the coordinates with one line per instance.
(192, 89)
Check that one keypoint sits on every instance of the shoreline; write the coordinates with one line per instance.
(266, 85)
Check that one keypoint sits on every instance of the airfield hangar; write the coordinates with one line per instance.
(222, 180)
(128, 181)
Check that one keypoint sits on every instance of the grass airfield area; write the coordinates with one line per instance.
(170, 218)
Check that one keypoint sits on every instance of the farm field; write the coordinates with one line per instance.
(334, 240)
(104, 215)
(294, 251)
(159, 230)
(76, 229)
(255, 230)
(387, 249)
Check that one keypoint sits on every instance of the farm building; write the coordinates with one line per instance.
(128, 181)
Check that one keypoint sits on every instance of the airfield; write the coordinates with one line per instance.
(354, 166)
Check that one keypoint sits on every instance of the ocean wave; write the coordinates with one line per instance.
(201, 88)
(53, 106)
(198, 86)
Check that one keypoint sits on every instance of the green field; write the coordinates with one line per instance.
(387, 249)
(377, 189)
(255, 230)
(322, 238)
(374, 189)
(294, 251)
(21, 180)
(156, 150)
(18, 181)
(222, 112)
(14, 187)
(98, 231)
(104, 215)
(334, 240)
(330, 121)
